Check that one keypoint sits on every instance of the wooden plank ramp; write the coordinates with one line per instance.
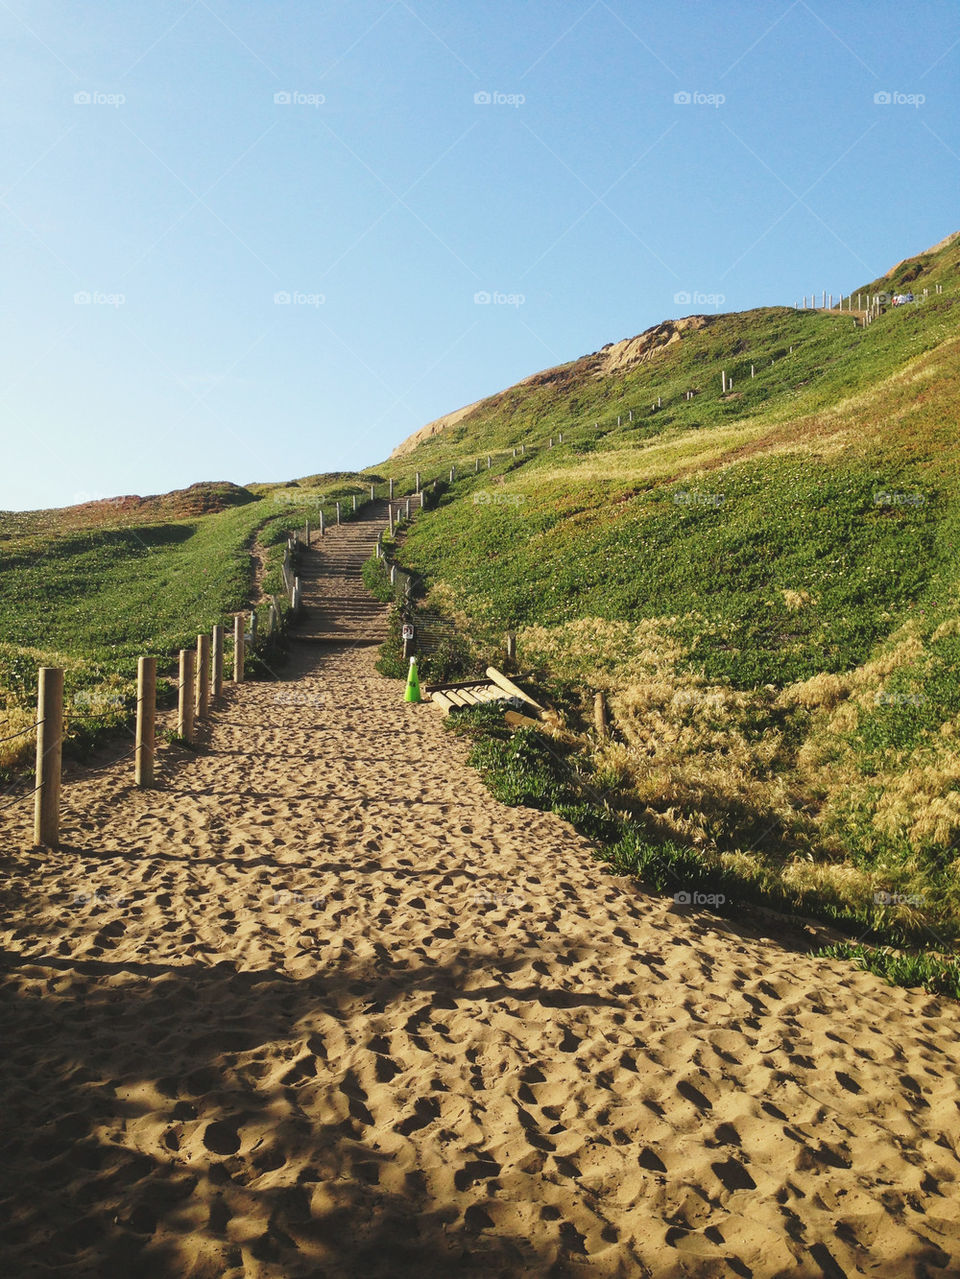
(495, 687)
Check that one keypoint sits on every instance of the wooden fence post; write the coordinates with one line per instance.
(238, 647)
(46, 810)
(338, 512)
(146, 720)
(417, 489)
(354, 501)
(453, 472)
(254, 628)
(390, 517)
(203, 676)
(488, 461)
(391, 490)
(322, 525)
(601, 720)
(407, 512)
(372, 492)
(272, 622)
(511, 646)
(217, 661)
(307, 533)
(185, 704)
(523, 450)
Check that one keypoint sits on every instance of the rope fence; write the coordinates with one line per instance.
(198, 685)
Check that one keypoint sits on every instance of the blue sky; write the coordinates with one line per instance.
(174, 171)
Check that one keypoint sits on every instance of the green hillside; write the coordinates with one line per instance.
(764, 583)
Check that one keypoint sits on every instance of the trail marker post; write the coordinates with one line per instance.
(46, 809)
(146, 720)
(185, 700)
(203, 676)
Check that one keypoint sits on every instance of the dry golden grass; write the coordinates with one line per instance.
(688, 757)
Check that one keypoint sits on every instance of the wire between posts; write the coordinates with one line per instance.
(25, 795)
(22, 732)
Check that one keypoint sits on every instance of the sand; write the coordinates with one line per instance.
(318, 1006)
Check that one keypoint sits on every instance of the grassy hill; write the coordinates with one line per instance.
(766, 583)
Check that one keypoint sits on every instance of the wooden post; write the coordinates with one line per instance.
(407, 512)
(391, 490)
(217, 661)
(551, 441)
(751, 370)
(146, 720)
(511, 646)
(354, 501)
(393, 574)
(618, 419)
(601, 720)
(390, 517)
(185, 703)
(723, 382)
(46, 805)
(238, 645)
(421, 499)
(488, 461)
(630, 415)
(372, 492)
(453, 472)
(322, 525)
(476, 466)
(273, 621)
(418, 482)
(514, 452)
(203, 676)
(338, 512)
(659, 402)
(254, 628)
(523, 450)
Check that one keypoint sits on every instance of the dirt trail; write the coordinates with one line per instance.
(318, 1006)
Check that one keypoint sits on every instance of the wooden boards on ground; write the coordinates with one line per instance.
(508, 686)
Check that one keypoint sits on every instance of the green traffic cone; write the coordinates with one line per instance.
(413, 683)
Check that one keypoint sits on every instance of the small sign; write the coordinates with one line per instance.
(407, 631)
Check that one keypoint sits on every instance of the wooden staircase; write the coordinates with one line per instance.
(337, 607)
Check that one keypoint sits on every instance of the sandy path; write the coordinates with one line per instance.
(337, 1013)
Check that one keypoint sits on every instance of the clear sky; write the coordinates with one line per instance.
(172, 171)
